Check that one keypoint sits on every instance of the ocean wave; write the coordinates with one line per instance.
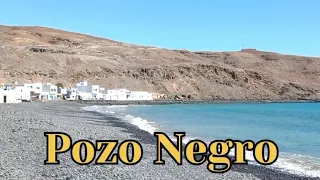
(298, 164)
(141, 123)
(119, 111)
(290, 163)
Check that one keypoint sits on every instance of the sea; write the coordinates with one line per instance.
(294, 127)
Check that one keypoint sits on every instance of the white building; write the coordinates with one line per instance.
(98, 96)
(117, 94)
(140, 95)
(29, 86)
(62, 91)
(85, 96)
(124, 94)
(49, 92)
(95, 91)
(84, 89)
(35, 88)
(72, 94)
(8, 95)
(22, 93)
(105, 96)
(83, 83)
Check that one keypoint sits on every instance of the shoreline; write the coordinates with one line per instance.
(23, 147)
(258, 171)
(166, 102)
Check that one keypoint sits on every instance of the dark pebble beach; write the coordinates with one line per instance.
(23, 146)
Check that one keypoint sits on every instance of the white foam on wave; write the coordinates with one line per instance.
(298, 164)
(286, 162)
(141, 123)
(105, 109)
(119, 111)
(99, 109)
(290, 163)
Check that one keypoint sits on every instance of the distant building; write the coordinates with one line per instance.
(117, 94)
(62, 91)
(21, 93)
(248, 50)
(124, 94)
(84, 89)
(15, 93)
(83, 83)
(72, 94)
(49, 92)
(35, 88)
(8, 95)
(139, 95)
(85, 96)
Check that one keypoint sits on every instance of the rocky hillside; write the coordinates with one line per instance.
(38, 54)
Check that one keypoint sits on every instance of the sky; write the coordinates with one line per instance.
(284, 26)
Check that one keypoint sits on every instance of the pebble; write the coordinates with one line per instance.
(23, 146)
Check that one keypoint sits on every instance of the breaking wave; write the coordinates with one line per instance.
(290, 163)
(119, 112)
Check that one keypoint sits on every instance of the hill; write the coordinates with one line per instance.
(33, 54)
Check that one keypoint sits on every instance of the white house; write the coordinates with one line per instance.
(62, 91)
(29, 86)
(140, 95)
(124, 94)
(117, 94)
(85, 96)
(106, 96)
(95, 91)
(8, 95)
(83, 83)
(72, 94)
(35, 88)
(84, 89)
(98, 96)
(22, 93)
(49, 92)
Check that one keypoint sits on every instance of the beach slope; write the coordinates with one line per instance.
(23, 147)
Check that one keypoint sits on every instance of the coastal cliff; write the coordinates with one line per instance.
(39, 54)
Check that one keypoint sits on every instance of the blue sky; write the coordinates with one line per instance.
(285, 26)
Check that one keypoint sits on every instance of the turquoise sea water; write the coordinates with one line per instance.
(295, 127)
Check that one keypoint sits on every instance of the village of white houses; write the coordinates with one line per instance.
(16, 93)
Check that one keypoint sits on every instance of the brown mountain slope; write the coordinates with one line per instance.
(33, 54)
